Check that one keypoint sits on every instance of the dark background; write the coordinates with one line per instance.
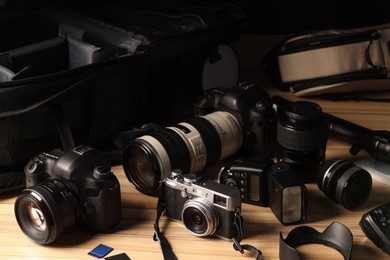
(275, 17)
(280, 17)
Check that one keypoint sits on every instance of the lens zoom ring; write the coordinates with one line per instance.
(301, 141)
(210, 138)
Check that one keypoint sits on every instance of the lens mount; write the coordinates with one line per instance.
(45, 211)
(199, 217)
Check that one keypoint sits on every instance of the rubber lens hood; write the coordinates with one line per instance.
(336, 236)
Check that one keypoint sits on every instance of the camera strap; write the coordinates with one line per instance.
(237, 221)
(166, 247)
(158, 236)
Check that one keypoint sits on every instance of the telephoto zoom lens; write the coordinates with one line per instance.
(302, 135)
(344, 182)
(189, 146)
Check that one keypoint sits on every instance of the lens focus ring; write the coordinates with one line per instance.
(301, 141)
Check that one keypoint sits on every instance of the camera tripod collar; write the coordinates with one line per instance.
(336, 235)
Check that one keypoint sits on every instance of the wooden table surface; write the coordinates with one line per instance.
(133, 235)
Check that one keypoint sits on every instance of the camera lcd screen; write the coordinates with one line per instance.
(254, 189)
(292, 202)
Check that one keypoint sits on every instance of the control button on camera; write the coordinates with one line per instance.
(263, 105)
(189, 177)
(231, 182)
(101, 172)
(184, 193)
(176, 172)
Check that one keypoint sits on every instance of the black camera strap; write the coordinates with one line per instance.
(236, 240)
(158, 236)
(167, 249)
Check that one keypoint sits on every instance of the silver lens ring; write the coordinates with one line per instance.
(229, 131)
(195, 145)
(160, 153)
(199, 216)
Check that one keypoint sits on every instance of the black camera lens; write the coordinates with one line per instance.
(45, 211)
(344, 182)
(302, 134)
(189, 146)
(199, 217)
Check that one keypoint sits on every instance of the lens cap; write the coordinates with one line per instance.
(303, 110)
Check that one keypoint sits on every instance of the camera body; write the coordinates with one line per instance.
(268, 184)
(68, 188)
(205, 207)
(252, 107)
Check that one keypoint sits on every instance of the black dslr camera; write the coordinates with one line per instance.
(268, 184)
(252, 107)
(205, 207)
(64, 189)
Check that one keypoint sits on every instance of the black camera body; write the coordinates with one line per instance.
(252, 107)
(205, 207)
(68, 188)
(268, 184)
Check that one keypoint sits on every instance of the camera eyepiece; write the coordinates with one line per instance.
(302, 136)
(344, 182)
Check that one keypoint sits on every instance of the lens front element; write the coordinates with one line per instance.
(199, 217)
(36, 217)
(45, 211)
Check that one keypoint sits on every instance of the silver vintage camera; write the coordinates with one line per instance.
(205, 207)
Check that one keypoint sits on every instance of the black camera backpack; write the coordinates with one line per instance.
(86, 73)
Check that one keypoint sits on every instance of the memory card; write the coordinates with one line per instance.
(100, 251)
(121, 256)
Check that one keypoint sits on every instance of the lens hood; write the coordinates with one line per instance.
(336, 236)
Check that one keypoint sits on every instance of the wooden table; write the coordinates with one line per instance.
(261, 228)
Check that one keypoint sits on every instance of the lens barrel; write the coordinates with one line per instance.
(302, 136)
(45, 211)
(344, 182)
(190, 146)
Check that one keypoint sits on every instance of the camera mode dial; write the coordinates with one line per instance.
(189, 178)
